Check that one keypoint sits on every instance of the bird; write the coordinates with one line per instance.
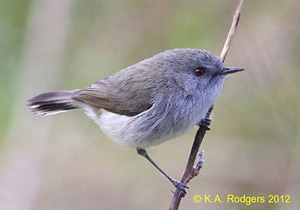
(148, 103)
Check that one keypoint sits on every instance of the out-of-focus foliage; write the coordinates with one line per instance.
(254, 145)
(13, 14)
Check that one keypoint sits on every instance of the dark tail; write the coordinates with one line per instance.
(53, 102)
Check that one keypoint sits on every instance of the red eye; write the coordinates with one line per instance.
(199, 72)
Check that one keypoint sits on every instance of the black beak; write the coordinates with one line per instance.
(230, 70)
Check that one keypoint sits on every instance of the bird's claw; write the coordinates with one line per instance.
(180, 186)
(205, 122)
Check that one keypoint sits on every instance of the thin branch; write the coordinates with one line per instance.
(190, 171)
(235, 22)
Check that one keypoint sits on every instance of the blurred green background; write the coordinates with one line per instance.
(65, 162)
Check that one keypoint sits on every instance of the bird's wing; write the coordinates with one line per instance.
(124, 99)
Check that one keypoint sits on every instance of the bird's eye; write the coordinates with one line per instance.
(199, 71)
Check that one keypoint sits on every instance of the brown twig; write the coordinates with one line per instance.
(191, 171)
(235, 22)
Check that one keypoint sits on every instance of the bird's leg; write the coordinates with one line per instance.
(206, 121)
(179, 185)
